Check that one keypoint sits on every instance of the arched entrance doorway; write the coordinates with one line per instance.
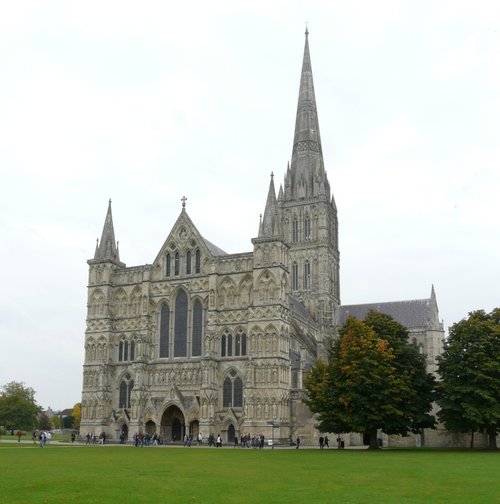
(150, 427)
(124, 433)
(231, 433)
(173, 425)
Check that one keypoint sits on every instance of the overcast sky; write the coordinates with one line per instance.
(144, 102)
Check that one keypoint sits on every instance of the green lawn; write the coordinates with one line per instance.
(122, 474)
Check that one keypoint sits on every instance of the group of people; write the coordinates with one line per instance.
(93, 439)
(42, 437)
(324, 442)
(141, 439)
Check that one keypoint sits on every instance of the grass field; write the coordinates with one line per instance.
(66, 474)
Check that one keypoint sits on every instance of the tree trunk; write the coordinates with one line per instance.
(373, 440)
(471, 440)
(492, 439)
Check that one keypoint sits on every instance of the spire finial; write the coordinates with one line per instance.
(307, 29)
(183, 199)
(272, 175)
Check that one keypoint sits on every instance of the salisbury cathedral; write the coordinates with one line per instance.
(201, 341)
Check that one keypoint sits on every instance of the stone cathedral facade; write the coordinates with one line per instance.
(204, 341)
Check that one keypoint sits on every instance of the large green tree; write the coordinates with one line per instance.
(358, 388)
(18, 408)
(373, 379)
(412, 368)
(470, 376)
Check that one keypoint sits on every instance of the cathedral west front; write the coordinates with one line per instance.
(201, 341)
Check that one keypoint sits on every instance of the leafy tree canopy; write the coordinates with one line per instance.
(77, 415)
(470, 375)
(68, 422)
(18, 408)
(373, 379)
(43, 421)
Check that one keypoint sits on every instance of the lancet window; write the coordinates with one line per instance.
(164, 331)
(197, 261)
(197, 329)
(295, 230)
(167, 265)
(177, 261)
(232, 391)
(126, 386)
(180, 325)
(307, 228)
(295, 276)
(307, 275)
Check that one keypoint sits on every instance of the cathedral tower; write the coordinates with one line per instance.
(309, 214)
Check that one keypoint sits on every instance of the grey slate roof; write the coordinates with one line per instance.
(412, 313)
(297, 307)
(216, 251)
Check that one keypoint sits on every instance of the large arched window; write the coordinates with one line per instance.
(197, 329)
(232, 391)
(126, 386)
(164, 330)
(238, 393)
(180, 325)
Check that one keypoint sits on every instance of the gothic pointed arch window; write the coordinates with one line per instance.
(240, 343)
(126, 386)
(229, 345)
(132, 350)
(197, 261)
(164, 331)
(223, 345)
(307, 275)
(180, 325)
(232, 391)
(177, 264)
(188, 262)
(295, 276)
(237, 344)
(295, 230)
(243, 344)
(197, 329)
(307, 228)
(167, 265)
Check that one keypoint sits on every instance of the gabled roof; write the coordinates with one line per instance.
(184, 221)
(411, 314)
(216, 251)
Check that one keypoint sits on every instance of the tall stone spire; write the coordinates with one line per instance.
(270, 224)
(107, 248)
(307, 177)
